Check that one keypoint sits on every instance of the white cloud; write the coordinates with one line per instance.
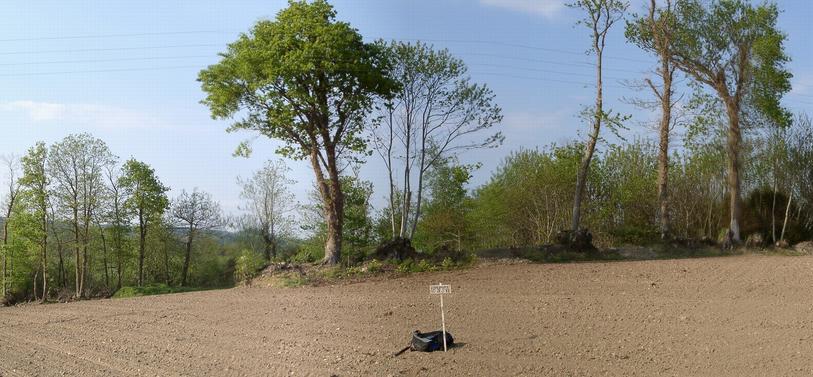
(91, 115)
(545, 8)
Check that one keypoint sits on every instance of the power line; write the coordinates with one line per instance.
(110, 49)
(544, 70)
(527, 47)
(107, 60)
(464, 41)
(547, 79)
(100, 36)
(569, 64)
(98, 71)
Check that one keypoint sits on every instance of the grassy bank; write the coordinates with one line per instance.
(153, 289)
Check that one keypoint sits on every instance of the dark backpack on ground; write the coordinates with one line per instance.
(430, 341)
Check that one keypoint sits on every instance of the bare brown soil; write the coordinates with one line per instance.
(734, 316)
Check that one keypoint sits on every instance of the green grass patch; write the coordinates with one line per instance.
(152, 289)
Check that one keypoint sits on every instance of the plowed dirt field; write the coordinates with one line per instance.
(733, 316)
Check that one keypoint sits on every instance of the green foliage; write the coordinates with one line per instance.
(737, 42)
(443, 223)
(528, 199)
(406, 266)
(147, 195)
(447, 263)
(374, 266)
(150, 290)
(623, 201)
(358, 224)
(358, 232)
(248, 265)
(297, 76)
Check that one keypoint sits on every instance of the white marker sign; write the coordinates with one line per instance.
(441, 290)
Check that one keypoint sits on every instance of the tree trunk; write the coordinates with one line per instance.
(118, 260)
(590, 148)
(773, 209)
(167, 277)
(390, 177)
(663, 150)
(188, 255)
(34, 283)
(418, 202)
(406, 199)
(5, 258)
(117, 229)
(333, 200)
(85, 265)
(77, 255)
(44, 258)
(104, 258)
(787, 211)
(63, 275)
(4, 277)
(269, 248)
(733, 160)
(335, 222)
(142, 237)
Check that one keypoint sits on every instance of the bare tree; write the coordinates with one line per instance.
(436, 111)
(195, 211)
(268, 203)
(384, 145)
(12, 169)
(601, 15)
(653, 33)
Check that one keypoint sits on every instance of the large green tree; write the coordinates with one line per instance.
(10, 203)
(35, 185)
(308, 80)
(735, 49)
(75, 167)
(146, 198)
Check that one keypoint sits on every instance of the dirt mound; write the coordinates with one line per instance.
(398, 248)
(804, 247)
(275, 268)
(580, 240)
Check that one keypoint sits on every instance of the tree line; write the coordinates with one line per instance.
(309, 80)
(305, 78)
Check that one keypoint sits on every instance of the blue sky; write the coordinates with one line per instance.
(125, 71)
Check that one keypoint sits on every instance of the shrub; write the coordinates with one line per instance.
(374, 266)
(422, 266)
(248, 265)
(447, 263)
(405, 266)
(150, 290)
